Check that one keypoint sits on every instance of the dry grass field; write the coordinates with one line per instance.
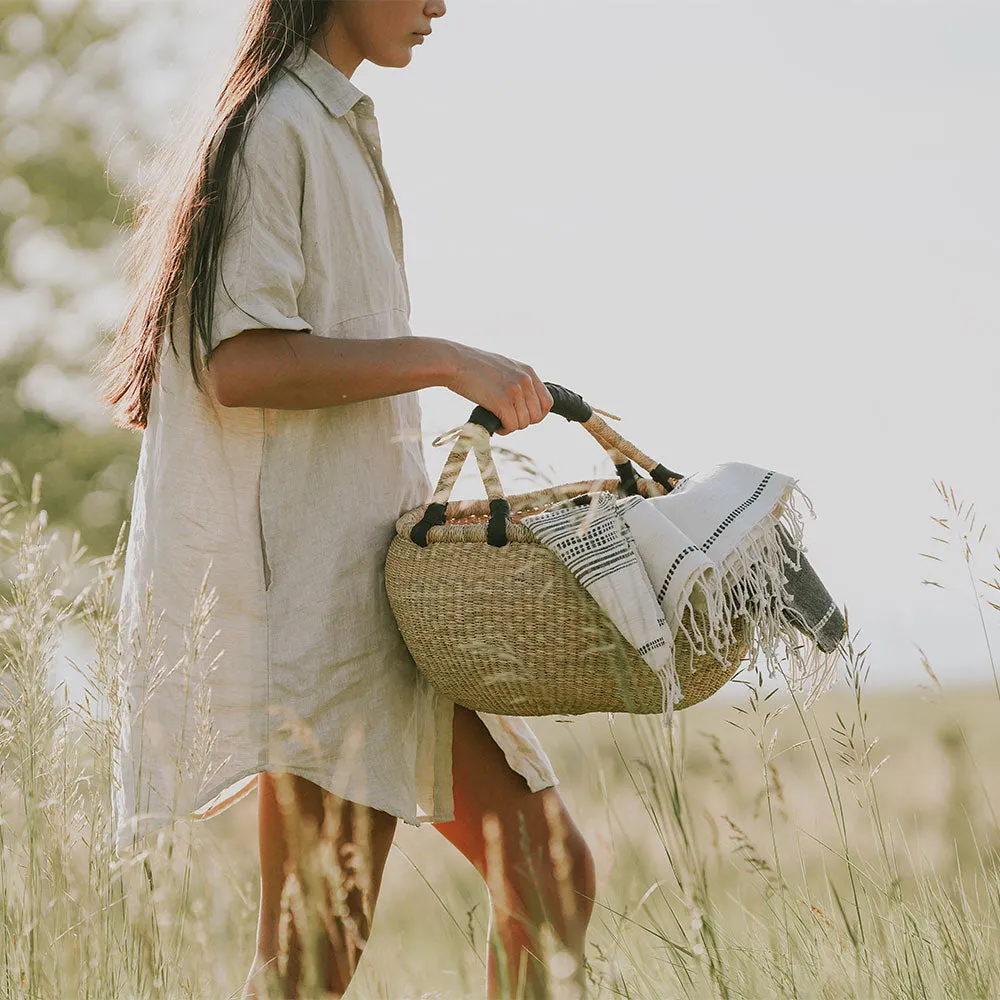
(760, 848)
(769, 855)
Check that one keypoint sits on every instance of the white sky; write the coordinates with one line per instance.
(762, 232)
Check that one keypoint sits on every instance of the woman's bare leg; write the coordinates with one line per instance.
(550, 879)
(321, 864)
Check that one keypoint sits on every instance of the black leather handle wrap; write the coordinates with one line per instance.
(433, 516)
(496, 530)
(629, 480)
(565, 403)
(663, 476)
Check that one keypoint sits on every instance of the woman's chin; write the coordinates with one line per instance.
(401, 57)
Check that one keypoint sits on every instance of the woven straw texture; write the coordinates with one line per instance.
(509, 630)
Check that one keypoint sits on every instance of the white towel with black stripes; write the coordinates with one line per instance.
(724, 542)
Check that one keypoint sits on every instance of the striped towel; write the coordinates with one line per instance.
(726, 542)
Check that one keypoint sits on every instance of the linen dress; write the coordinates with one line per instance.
(256, 630)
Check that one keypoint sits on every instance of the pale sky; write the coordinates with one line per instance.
(762, 232)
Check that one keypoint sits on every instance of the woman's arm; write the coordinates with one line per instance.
(300, 371)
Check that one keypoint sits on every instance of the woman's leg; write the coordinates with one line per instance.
(321, 863)
(534, 859)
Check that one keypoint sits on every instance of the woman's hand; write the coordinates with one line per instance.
(507, 388)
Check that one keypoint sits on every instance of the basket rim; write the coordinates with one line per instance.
(520, 503)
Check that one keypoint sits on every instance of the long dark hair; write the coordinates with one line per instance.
(180, 225)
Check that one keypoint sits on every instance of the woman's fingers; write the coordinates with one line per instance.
(528, 402)
(523, 407)
(537, 397)
(515, 416)
(544, 396)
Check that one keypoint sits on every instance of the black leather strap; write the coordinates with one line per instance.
(496, 530)
(664, 476)
(433, 516)
(630, 482)
(565, 403)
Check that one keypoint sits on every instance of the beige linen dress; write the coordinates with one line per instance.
(273, 525)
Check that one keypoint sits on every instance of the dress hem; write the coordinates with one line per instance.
(132, 831)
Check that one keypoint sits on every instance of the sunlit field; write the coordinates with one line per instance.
(762, 847)
(819, 298)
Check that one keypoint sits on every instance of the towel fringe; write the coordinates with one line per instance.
(751, 585)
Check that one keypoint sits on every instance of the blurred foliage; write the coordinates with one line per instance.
(72, 133)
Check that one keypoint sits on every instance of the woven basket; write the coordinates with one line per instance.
(496, 622)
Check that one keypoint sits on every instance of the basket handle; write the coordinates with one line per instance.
(572, 406)
(565, 403)
(479, 429)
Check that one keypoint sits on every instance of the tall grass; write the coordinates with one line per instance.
(759, 847)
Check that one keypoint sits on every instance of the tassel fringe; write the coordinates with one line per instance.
(751, 586)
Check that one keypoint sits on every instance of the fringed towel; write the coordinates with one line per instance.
(727, 543)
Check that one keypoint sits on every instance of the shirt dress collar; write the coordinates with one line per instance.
(332, 88)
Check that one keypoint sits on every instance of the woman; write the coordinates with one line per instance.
(268, 357)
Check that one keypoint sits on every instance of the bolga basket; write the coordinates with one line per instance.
(493, 618)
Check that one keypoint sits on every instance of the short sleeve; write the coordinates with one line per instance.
(261, 264)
